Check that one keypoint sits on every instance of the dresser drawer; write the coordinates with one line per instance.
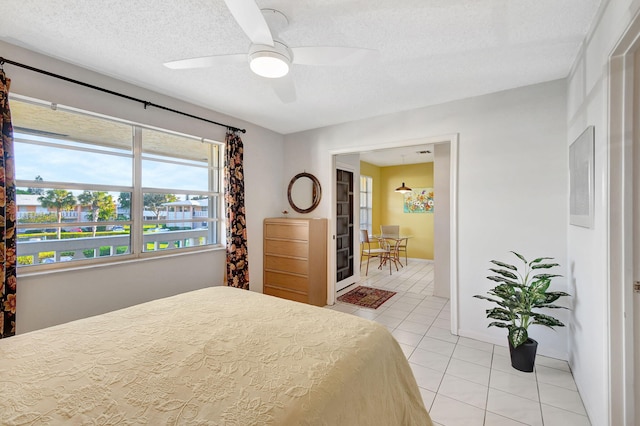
(287, 231)
(287, 264)
(287, 281)
(285, 294)
(287, 248)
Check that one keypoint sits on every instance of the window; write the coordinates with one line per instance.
(366, 201)
(91, 187)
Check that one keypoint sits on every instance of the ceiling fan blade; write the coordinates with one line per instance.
(206, 61)
(331, 56)
(250, 18)
(284, 88)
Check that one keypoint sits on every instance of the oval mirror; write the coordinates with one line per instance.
(304, 192)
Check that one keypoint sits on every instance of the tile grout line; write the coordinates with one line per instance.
(539, 396)
(486, 402)
(409, 285)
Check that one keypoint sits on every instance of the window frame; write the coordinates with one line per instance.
(215, 217)
(366, 189)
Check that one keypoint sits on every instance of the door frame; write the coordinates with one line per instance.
(452, 140)
(621, 132)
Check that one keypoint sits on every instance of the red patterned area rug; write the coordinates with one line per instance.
(367, 297)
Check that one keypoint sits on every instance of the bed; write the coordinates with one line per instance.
(216, 356)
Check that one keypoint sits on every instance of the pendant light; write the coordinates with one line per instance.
(403, 189)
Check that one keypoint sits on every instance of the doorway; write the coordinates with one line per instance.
(624, 228)
(449, 252)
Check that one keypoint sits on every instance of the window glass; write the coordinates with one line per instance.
(181, 180)
(366, 201)
(62, 225)
(158, 174)
(179, 220)
(57, 162)
(174, 161)
(76, 187)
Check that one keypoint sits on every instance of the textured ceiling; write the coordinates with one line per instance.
(414, 154)
(430, 51)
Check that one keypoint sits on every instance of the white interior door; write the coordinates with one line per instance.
(636, 293)
(636, 235)
(624, 229)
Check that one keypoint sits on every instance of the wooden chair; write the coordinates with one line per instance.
(393, 231)
(367, 251)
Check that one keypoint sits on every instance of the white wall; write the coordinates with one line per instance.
(52, 298)
(587, 248)
(512, 183)
(441, 220)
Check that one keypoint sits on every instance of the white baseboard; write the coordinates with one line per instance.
(502, 341)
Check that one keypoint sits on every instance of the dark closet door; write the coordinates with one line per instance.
(344, 227)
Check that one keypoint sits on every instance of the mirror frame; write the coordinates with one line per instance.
(316, 195)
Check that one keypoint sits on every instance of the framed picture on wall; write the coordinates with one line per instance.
(419, 200)
(581, 179)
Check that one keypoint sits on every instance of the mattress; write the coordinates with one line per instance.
(216, 356)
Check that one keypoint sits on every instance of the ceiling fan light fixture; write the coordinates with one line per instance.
(269, 66)
(270, 62)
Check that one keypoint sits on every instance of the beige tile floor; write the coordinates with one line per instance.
(466, 382)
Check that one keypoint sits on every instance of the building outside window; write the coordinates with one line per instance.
(366, 201)
(94, 189)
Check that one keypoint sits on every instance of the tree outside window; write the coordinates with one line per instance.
(60, 200)
(102, 207)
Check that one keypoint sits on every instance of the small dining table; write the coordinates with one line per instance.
(392, 242)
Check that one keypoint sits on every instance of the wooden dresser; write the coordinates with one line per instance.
(295, 259)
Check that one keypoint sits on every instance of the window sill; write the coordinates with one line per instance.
(32, 271)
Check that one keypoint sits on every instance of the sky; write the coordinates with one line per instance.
(108, 167)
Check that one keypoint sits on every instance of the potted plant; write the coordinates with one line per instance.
(517, 294)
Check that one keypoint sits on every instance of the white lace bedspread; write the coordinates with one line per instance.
(217, 356)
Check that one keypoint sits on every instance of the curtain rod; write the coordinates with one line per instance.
(111, 92)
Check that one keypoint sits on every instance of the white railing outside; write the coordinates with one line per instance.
(174, 239)
(69, 215)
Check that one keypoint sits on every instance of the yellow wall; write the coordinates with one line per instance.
(388, 204)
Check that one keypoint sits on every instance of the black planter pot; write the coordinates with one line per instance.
(523, 357)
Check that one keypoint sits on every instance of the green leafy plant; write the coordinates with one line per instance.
(519, 293)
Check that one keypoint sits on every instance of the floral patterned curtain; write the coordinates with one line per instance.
(237, 257)
(7, 217)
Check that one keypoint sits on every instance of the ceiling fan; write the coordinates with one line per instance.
(270, 57)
